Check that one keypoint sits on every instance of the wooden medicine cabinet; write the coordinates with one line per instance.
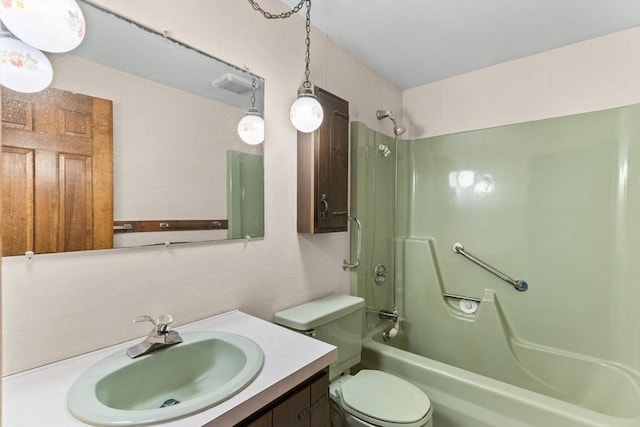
(323, 169)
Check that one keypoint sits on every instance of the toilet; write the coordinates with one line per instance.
(370, 397)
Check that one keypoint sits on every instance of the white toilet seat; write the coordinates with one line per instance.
(384, 400)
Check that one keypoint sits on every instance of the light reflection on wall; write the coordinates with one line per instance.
(465, 181)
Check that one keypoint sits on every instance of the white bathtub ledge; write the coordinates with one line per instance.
(37, 397)
(467, 397)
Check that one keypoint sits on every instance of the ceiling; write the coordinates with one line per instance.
(413, 42)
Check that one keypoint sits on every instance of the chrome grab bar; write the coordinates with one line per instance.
(456, 296)
(519, 284)
(346, 264)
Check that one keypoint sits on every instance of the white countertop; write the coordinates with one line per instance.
(37, 398)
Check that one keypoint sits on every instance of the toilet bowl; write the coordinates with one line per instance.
(370, 398)
(375, 398)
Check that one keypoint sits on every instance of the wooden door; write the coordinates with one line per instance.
(57, 172)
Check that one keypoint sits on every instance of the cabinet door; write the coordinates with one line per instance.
(332, 164)
(319, 409)
(263, 421)
(305, 406)
(323, 169)
(293, 412)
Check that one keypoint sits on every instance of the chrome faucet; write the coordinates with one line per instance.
(389, 315)
(160, 337)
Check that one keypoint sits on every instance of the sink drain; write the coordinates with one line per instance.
(169, 402)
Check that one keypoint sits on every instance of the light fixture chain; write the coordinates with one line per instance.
(283, 15)
(306, 85)
(253, 93)
(307, 42)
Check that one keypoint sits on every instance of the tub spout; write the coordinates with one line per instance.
(390, 333)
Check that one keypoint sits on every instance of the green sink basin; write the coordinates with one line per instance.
(202, 371)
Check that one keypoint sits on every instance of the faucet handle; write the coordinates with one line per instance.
(161, 323)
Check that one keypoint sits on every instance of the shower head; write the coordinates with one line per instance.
(398, 129)
(383, 114)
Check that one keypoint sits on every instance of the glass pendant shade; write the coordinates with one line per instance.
(251, 128)
(48, 25)
(23, 68)
(306, 113)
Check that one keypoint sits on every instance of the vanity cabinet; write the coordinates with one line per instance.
(323, 169)
(305, 406)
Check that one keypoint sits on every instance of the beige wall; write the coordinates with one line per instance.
(56, 306)
(593, 75)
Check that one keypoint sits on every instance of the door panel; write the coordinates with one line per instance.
(70, 137)
(74, 192)
(17, 200)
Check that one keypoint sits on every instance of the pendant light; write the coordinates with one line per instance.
(51, 25)
(306, 112)
(22, 67)
(32, 26)
(251, 126)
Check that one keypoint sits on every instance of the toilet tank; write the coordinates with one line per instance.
(334, 319)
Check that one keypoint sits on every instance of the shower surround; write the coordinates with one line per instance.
(555, 202)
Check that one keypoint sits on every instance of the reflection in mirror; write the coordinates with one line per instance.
(165, 113)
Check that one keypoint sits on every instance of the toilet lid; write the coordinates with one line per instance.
(384, 397)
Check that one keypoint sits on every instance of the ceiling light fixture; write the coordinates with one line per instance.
(22, 67)
(306, 112)
(251, 126)
(32, 26)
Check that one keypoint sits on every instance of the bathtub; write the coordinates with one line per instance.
(479, 371)
(461, 398)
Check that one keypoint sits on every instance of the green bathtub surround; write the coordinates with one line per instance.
(205, 369)
(486, 343)
(245, 195)
(555, 202)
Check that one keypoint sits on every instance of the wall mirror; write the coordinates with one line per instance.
(180, 172)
